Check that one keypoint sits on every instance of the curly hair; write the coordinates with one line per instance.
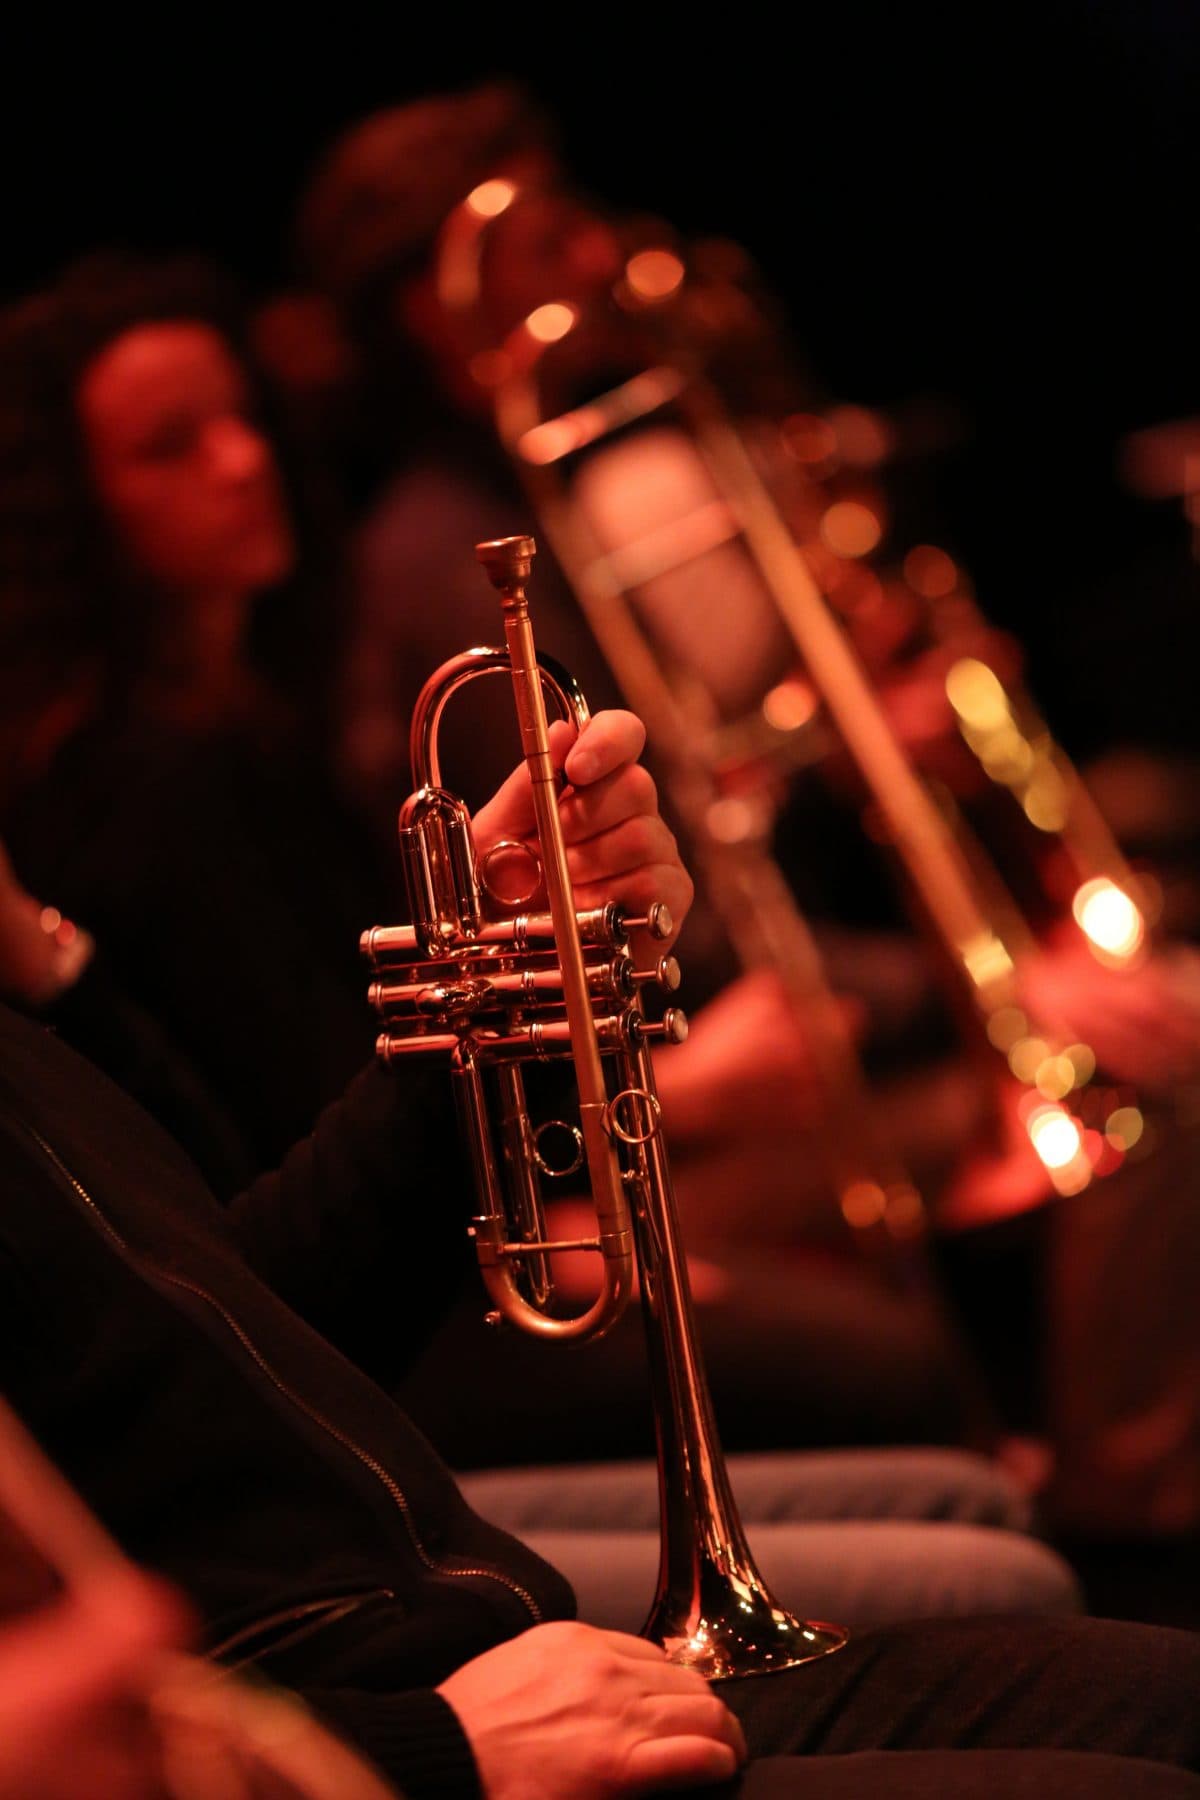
(68, 605)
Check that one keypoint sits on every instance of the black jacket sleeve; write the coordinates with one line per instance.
(413, 1738)
(363, 1227)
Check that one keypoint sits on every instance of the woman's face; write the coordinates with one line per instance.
(186, 477)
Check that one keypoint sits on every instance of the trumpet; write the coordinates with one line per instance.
(498, 990)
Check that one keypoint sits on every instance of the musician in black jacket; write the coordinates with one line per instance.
(184, 1364)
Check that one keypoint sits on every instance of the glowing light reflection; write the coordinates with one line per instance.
(790, 704)
(1027, 1056)
(977, 696)
(1045, 800)
(1124, 1127)
(849, 528)
(1006, 1026)
(1109, 918)
(491, 198)
(653, 274)
(1055, 1077)
(547, 324)
(1055, 1136)
(863, 1204)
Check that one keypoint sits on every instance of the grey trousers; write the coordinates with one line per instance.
(864, 1537)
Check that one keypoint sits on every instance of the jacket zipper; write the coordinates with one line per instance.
(382, 1475)
(254, 1640)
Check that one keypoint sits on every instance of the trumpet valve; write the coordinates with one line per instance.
(672, 1028)
(657, 921)
(665, 974)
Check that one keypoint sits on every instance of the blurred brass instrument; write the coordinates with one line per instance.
(841, 526)
(496, 991)
(718, 722)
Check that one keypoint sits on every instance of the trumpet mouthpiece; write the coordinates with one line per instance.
(507, 560)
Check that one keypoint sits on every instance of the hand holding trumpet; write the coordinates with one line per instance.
(618, 846)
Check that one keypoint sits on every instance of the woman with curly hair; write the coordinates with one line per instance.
(162, 770)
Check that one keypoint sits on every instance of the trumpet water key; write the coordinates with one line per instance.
(497, 991)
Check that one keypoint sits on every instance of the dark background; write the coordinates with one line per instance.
(991, 208)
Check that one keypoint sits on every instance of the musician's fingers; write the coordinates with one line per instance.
(634, 843)
(626, 793)
(606, 742)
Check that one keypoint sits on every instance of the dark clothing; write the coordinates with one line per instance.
(225, 1443)
(132, 1303)
(227, 887)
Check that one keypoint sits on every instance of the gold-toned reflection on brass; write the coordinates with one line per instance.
(654, 274)
(547, 324)
(1059, 1140)
(1124, 1127)
(495, 993)
(491, 198)
(1111, 920)
(850, 528)
(1006, 1026)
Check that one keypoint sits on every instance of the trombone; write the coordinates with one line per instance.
(497, 991)
(716, 502)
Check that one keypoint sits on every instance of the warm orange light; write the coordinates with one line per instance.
(863, 1204)
(930, 572)
(986, 960)
(1006, 756)
(491, 198)
(547, 443)
(1027, 1056)
(1083, 1061)
(1055, 1136)
(849, 528)
(1006, 1026)
(1055, 1077)
(551, 322)
(1109, 918)
(1045, 800)
(977, 695)
(653, 274)
(864, 438)
(1124, 1127)
(905, 1210)
(732, 821)
(808, 438)
(790, 704)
